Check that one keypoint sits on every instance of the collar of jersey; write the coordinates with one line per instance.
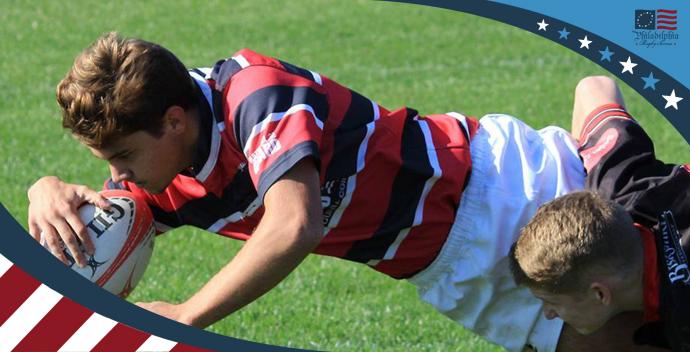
(208, 144)
(650, 276)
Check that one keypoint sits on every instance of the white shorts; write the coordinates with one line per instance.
(514, 170)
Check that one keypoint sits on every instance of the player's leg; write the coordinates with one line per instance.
(616, 335)
(591, 93)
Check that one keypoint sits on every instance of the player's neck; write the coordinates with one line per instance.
(630, 293)
(191, 137)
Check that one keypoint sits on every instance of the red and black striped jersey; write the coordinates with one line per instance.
(391, 181)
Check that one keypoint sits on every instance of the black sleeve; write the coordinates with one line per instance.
(621, 166)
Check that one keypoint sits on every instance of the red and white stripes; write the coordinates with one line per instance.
(35, 317)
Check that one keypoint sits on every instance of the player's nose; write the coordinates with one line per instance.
(119, 174)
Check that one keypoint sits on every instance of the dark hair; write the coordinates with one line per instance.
(118, 86)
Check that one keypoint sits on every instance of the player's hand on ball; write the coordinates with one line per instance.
(53, 215)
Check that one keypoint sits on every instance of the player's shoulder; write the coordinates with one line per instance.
(247, 57)
(250, 67)
(253, 63)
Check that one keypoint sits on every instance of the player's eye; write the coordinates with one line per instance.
(125, 156)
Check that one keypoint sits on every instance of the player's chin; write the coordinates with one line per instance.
(586, 330)
(155, 190)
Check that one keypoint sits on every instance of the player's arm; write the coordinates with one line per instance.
(289, 230)
(53, 211)
(277, 119)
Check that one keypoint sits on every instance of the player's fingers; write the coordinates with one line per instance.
(94, 197)
(52, 242)
(70, 240)
(74, 221)
(35, 231)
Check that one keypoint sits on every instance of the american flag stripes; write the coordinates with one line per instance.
(667, 19)
(35, 317)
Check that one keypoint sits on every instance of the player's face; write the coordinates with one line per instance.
(149, 161)
(583, 312)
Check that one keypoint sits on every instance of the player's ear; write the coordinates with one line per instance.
(175, 119)
(601, 292)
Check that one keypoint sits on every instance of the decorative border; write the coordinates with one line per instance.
(27, 272)
(664, 92)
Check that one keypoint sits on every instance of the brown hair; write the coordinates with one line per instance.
(118, 86)
(572, 238)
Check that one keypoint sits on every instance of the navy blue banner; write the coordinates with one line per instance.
(640, 42)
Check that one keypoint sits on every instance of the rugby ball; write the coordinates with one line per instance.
(123, 240)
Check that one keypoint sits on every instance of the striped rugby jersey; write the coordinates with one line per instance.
(391, 181)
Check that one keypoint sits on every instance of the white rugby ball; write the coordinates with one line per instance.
(123, 239)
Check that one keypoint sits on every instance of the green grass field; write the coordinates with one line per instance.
(430, 59)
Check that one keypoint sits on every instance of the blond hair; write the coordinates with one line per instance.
(573, 238)
(118, 86)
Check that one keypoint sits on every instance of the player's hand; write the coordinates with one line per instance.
(53, 215)
(175, 312)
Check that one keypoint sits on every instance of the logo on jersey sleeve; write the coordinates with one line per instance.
(674, 256)
(592, 156)
(267, 147)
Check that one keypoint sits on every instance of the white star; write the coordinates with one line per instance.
(672, 100)
(628, 66)
(584, 43)
(542, 25)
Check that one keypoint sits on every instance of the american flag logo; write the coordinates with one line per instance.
(656, 19)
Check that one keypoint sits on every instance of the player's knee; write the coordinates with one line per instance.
(596, 85)
(594, 91)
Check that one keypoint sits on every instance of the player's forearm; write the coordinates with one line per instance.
(273, 251)
(289, 230)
